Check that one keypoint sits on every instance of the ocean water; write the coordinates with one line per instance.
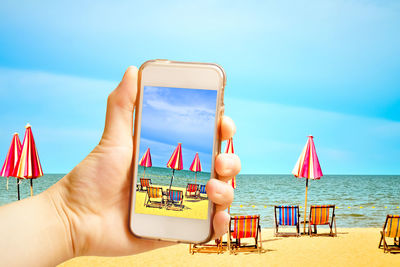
(361, 200)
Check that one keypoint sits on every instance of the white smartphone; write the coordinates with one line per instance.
(176, 141)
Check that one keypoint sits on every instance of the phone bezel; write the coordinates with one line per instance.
(188, 75)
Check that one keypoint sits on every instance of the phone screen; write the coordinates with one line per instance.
(176, 150)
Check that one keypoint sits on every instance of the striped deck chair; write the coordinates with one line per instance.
(245, 227)
(192, 191)
(391, 229)
(287, 216)
(154, 197)
(202, 191)
(174, 199)
(321, 215)
(144, 183)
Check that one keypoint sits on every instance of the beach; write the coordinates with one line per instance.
(352, 247)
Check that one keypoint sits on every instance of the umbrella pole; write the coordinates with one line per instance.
(18, 188)
(31, 187)
(195, 176)
(172, 178)
(144, 171)
(7, 183)
(305, 208)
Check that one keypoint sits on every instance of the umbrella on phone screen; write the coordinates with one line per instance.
(307, 166)
(196, 166)
(145, 161)
(11, 159)
(28, 166)
(175, 162)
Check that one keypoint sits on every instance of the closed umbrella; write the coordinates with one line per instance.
(28, 165)
(196, 166)
(175, 162)
(145, 161)
(11, 159)
(307, 166)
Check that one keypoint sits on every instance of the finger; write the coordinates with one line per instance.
(228, 128)
(220, 193)
(227, 166)
(120, 105)
(220, 223)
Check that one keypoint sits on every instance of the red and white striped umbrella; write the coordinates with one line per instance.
(145, 161)
(12, 157)
(229, 150)
(307, 166)
(196, 166)
(28, 165)
(176, 161)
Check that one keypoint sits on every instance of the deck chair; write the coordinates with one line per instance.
(174, 200)
(144, 183)
(321, 215)
(202, 191)
(192, 191)
(206, 248)
(244, 227)
(154, 197)
(287, 216)
(391, 229)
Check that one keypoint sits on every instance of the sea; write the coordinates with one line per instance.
(361, 200)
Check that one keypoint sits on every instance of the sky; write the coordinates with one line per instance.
(178, 115)
(294, 68)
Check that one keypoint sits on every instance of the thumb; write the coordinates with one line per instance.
(120, 106)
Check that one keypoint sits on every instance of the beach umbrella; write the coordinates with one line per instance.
(175, 162)
(145, 161)
(307, 166)
(28, 165)
(196, 166)
(11, 159)
(229, 150)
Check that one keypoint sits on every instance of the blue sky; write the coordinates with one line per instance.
(177, 115)
(294, 68)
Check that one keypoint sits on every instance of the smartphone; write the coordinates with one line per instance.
(176, 141)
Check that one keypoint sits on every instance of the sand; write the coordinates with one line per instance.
(352, 247)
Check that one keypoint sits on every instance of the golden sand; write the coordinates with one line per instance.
(352, 247)
(192, 208)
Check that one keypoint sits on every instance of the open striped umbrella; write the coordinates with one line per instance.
(11, 159)
(229, 150)
(28, 165)
(307, 166)
(175, 162)
(196, 166)
(145, 161)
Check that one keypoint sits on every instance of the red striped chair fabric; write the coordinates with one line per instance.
(191, 188)
(245, 226)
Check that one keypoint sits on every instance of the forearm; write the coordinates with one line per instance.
(33, 233)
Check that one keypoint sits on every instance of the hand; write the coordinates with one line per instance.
(93, 200)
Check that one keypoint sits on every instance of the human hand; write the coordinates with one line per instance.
(93, 200)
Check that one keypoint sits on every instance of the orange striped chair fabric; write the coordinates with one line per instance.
(245, 226)
(144, 182)
(393, 226)
(154, 192)
(319, 214)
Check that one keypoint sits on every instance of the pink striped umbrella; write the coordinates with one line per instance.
(229, 150)
(145, 161)
(196, 166)
(12, 158)
(28, 165)
(307, 166)
(175, 162)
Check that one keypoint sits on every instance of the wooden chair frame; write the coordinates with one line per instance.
(206, 248)
(150, 202)
(142, 186)
(297, 225)
(396, 242)
(235, 245)
(192, 194)
(330, 223)
(174, 204)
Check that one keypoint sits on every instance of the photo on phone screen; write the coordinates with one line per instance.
(175, 147)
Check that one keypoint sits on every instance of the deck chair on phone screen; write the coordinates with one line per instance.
(154, 197)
